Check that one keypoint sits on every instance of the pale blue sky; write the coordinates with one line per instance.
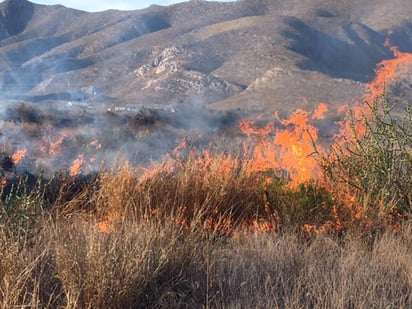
(100, 5)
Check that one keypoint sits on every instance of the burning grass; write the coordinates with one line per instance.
(206, 230)
(218, 230)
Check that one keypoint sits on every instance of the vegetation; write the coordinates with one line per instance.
(75, 265)
(374, 165)
(203, 231)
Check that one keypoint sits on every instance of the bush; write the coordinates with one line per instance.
(308, 204)
(373, 168)
(20, 206)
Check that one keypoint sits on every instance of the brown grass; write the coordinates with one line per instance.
(74, 265)
(178, 240)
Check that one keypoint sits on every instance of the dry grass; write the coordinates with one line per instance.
(74, 265)
(177, 239)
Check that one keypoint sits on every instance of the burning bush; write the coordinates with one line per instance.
(307, 204)
(374, 168)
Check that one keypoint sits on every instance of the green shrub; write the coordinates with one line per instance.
(20, 206)
(294, 207)
(375, 168)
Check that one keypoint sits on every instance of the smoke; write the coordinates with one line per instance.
(53, 136)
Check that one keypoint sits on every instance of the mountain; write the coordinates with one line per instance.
(257, 55)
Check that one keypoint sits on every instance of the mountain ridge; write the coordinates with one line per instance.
(261, 55)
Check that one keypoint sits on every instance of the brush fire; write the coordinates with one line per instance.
(286, 147)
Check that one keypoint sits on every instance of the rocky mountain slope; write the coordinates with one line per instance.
(257, 55)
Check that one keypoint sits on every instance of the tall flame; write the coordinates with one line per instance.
(287, 149)
(386, 72)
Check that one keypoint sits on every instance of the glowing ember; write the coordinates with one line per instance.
(3, 183)
(105, 227)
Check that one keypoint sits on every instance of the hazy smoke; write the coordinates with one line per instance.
(54, 135)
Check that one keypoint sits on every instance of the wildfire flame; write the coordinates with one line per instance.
(320, 111)
(289, 149)
(75, 168)
(282, 145)
(386, 72)
(286, 149)
(18, 156)
(53, 148)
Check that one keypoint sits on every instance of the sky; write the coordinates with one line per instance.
(101, 5)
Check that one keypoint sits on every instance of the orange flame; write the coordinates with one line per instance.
(387, 71)
(290, 149)
(354, 126)
(53, 149)
(18, 156)
(297, 147)
(75, 168)
(320, 111)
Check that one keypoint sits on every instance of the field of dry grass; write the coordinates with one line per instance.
(186, 239)
(144, 265)
(205, 230)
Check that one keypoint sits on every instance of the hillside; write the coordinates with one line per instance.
(252, 55)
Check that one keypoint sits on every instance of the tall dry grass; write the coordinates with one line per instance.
(75, 265)
(177, 240)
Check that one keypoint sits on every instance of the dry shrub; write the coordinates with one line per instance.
(136, 266)
(275, 271)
